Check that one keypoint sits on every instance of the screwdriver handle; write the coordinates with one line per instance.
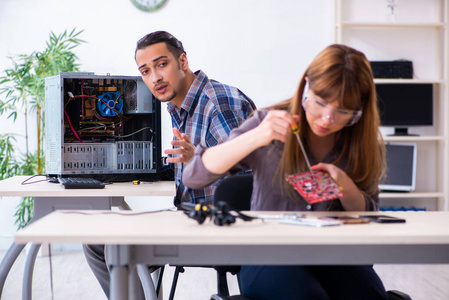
(295, 129)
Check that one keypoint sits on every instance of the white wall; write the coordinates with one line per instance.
(260, 46)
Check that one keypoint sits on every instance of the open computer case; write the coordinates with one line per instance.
(105, 127)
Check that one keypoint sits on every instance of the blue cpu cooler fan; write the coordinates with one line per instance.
(110, 104)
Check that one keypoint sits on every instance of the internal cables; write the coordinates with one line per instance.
(102, 126)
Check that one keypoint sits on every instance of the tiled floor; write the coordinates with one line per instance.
(72, 279)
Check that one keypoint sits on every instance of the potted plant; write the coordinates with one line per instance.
(22, 91)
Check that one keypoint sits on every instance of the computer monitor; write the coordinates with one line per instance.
(401, 167)
(405, 105)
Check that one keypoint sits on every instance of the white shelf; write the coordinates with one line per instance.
(414, 138)
(412, 195)
(430, 25)
(409, 81)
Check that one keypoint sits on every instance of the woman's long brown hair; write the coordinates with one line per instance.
(342, 74)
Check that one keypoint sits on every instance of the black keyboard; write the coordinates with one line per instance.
(80, 183)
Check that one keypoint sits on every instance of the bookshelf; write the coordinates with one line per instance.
(416, 30)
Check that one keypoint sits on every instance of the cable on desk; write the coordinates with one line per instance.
(54, 180)
(114, 212)
(29, 178)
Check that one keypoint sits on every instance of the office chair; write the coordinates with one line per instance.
(236, 191)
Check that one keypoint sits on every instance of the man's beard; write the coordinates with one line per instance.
(169, 98)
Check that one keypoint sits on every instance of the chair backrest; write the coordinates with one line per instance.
(236, 191)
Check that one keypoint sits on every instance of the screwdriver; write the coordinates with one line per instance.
(295, 130)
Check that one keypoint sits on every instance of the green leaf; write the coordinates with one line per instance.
(23, 85)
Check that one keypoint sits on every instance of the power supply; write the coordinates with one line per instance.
(105, 127)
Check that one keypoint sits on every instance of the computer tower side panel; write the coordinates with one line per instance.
(54, 123)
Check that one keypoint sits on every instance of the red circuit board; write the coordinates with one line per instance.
(315, 186)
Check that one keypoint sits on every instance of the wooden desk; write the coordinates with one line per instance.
(12, 187)
(49, 197)
(171, 237)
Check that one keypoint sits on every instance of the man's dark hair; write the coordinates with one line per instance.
(173, 44)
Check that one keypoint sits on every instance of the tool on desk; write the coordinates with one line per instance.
(222, 214)
(282, 216)
(315, 185)
(311, 222)
(347, 219)
(383, 219)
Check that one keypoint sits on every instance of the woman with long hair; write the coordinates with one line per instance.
(336, 113)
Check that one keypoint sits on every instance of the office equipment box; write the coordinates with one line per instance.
(106, 127)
